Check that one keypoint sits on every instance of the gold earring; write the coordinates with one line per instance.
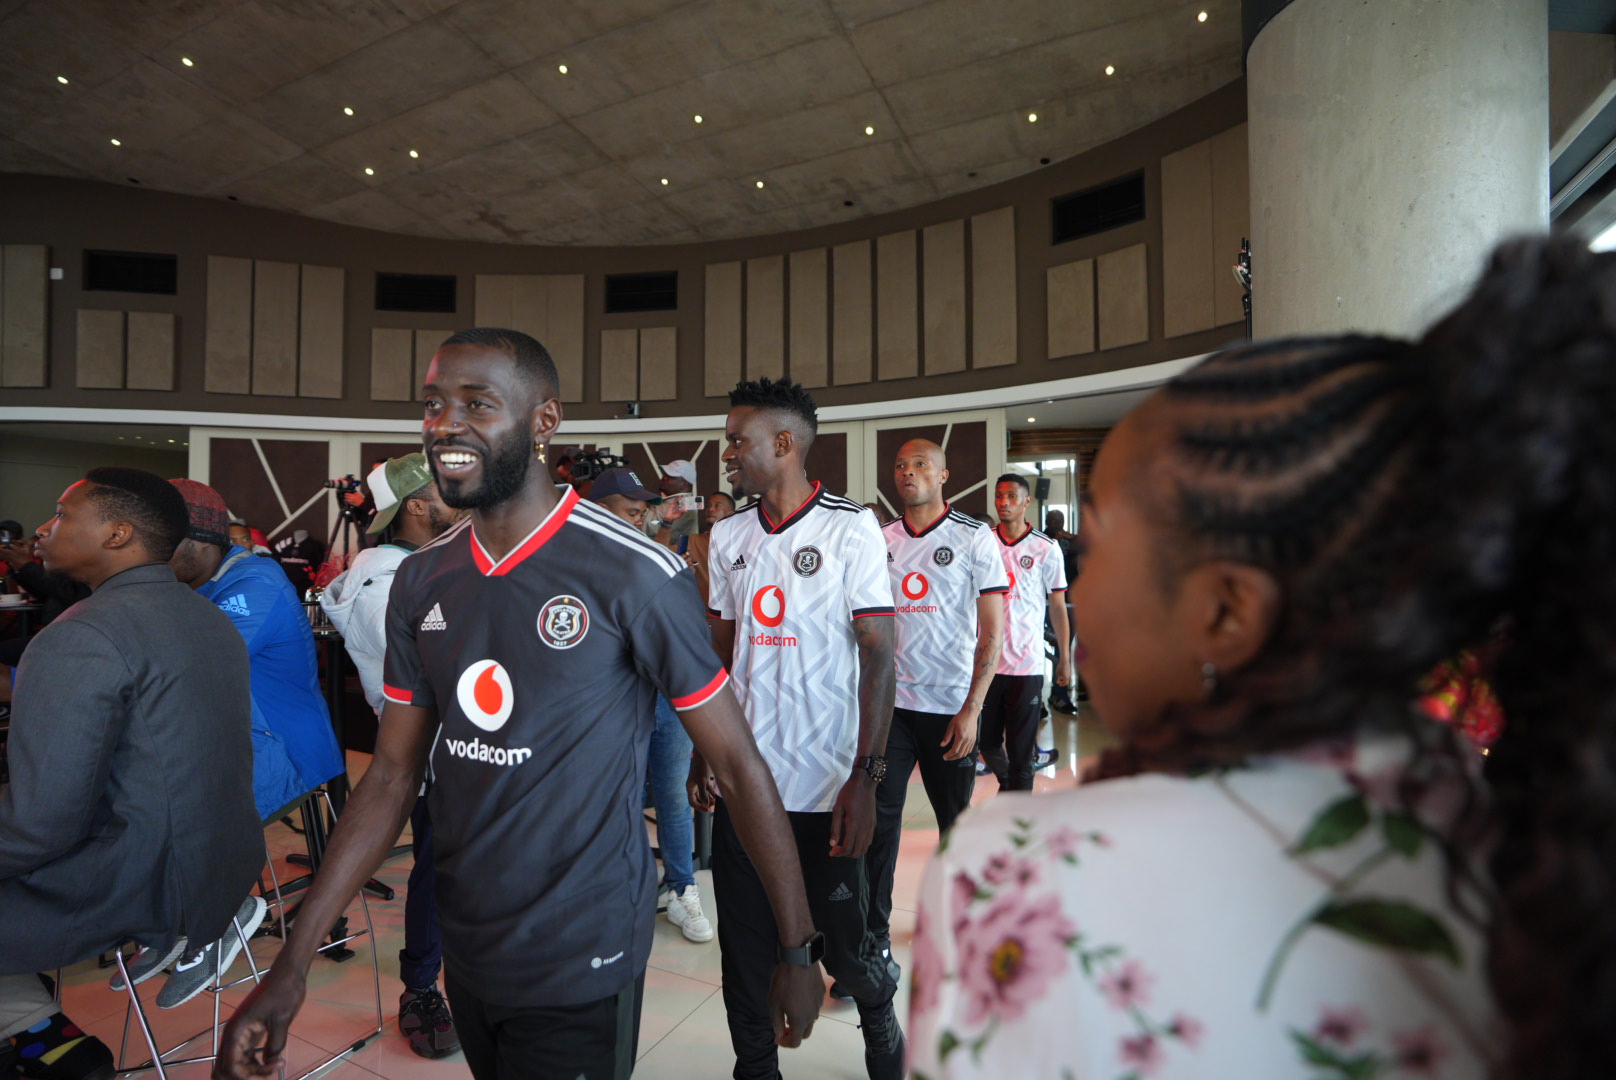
(538, 448)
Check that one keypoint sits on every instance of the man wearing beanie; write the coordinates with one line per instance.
(128, 814)
(294, 747)
(409, 514)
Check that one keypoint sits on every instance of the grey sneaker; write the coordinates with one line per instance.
(194, 973)
(148, 962)
(684, 911)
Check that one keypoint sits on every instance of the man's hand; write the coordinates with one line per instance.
(852, 819)
(1063, 672)
(701, 787)
(960, 738)
(255, 1037)
(794, 996)
(16, 554)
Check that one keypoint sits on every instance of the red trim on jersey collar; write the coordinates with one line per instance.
(702, 696)
(553, 521)
(791, 518)
(998, 530)
(917, 535)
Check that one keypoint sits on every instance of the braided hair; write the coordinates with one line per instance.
(1415, 499)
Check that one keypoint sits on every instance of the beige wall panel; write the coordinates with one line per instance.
(1187, 255)
(150, 351)
(619, 365)
(392, 356)
(319, 334)
(1070, 293)
(809, 331)
(993, 288)
(897, 307)
(722, 347)
(1231, 220)
(850, 313)
(274, 323)
(766, 317)
(530, 307)
(943, 280)
(227, 359)
(493, 304)
(23, 314)
(659, 363)
(100, 349)
(426, 347)
(566, 332)
(1123, 289)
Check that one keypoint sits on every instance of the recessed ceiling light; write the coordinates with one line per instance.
(120, 438)
(1201, 17)
(760, 183)
(62, 79)
(347, 110)
(115, 142)
(188, 62)
(1109, 70)
(370, 172)
(1032, 118)
(697, 118)
(561, 68)
(869, 130)
(415, 153)
(1032, 419)
(171, 440)
(664, 181)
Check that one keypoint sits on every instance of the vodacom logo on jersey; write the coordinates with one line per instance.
(769, 609)
(485, 697)
(914, 586)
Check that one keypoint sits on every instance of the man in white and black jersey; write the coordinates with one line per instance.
(538, 632)
(802, 615)
(1037, 584)
(948, 584)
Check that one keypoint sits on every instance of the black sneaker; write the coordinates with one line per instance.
(838, 993)
(148, 962)
(195, 973)
(423, 1018)
(884, 1044)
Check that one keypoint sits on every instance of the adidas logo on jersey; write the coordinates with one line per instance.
(739, 563)
(434, 619)
(841, 892)
(236, 605)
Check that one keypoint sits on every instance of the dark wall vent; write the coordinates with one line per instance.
(1084, 213)
(642, 292)
(415, 292)
(131, 271)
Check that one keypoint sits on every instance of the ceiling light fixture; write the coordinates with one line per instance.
(1032, 419)
(1201, 17)
(664, 181)
(561, 68)
(697, 118)
(760, 183)
(115, 142)
(347, 110)
(188, 62)
(1032, 118)
(62, 79)
(370, 172)
(869, 130)
(1109, 70)
(415, 153)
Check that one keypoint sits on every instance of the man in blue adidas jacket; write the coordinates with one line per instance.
(294, 747)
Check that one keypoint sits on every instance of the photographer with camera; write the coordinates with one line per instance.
(680, 512)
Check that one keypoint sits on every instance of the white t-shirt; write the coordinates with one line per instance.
(1036, 569)
(793, 590)
(937, 575)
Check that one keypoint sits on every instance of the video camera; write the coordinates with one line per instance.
(588, 464)
(349, 485)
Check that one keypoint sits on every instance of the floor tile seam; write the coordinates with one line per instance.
(683, 1020)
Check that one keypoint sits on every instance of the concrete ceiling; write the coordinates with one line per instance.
(513, 151)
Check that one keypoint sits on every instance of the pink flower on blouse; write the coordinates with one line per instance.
(964, 893)
(1419, 1051)
(1142, 1053)
(1063, 842)
(1187, 1030)
(925, 967)
(1009, 956)
(1127, 987)
(1006, 869)
(1341, 1026)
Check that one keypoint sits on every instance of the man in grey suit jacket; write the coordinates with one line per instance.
(130, 809)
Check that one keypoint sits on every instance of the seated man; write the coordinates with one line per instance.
(294, 747)
(128, 814)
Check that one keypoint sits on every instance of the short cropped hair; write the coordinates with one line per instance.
(782, 396)
(1014, 478)
(145, 500)
(532, 359)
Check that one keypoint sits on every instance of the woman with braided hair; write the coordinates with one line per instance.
(1293, 869)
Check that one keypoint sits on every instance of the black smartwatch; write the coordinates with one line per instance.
(807, 954)
(874, 766)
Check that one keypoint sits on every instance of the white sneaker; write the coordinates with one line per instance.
(684, 911)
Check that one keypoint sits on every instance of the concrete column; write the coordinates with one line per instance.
(1393, 143)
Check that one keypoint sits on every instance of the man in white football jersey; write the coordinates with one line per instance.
(948, 584)
(1037, 584)
(802, 615)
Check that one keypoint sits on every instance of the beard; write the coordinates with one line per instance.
(505, 472)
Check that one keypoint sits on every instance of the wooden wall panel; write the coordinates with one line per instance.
(943, 273)
(809, 315)
(530, 307)
(566, 333)
(227, 360)
(100, 349)
(319, 341)
(850, 313)
(392, 363)
(659, 363)
(1187, 254)
(426, 347)
(1070, 292)
(493, 301)
(722, 345)
(150, 363)
(1231, 220)
(24, 314)
(619, 365)
(1123, 305)
(765, 317)
(993, 288)
(897, 310)
(274, 328)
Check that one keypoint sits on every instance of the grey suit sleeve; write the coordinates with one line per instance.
(67, 715)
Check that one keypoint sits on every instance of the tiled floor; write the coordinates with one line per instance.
(682, 1031)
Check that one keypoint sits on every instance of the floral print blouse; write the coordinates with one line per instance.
(1284, 919)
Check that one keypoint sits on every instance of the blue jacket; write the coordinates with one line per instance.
(294, 747)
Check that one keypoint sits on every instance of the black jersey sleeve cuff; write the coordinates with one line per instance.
(866, 612)
(994, 589)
